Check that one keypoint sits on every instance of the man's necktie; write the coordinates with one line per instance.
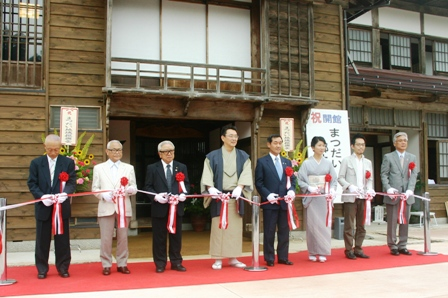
(279, 168)
(401, 160)
(52, 167)
(169, 177)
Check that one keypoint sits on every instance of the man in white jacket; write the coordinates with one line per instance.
(355, 177)
(107, 176)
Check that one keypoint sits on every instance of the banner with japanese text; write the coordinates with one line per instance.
(333, 126)
(69, 126)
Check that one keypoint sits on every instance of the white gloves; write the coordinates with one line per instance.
(182, 197)
(332, 192)
(236, 193)
(371, 192)
(392, 190)
(61, 197)
(48, 200)
(353, 189)
(131, 190)
(291, 194)
(272, 198)
(409, 193)
(214, 192)
(108, 196)
(313, 189)
(161, 198)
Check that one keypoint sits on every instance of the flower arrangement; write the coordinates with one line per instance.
(297, 157)
(82, 159)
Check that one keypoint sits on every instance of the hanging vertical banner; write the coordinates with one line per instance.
(287, 133)
(69, 126)
(333, 126)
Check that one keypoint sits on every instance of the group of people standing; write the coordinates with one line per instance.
(226, 170)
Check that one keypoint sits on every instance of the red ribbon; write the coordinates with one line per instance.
(172, 212)
(180, 177)
(411, 167)
(328, 219)
(57, 227)
(120, 200)
(293, 218)
(288, 171)
(224, 216)
(402, 219)
(368, 209)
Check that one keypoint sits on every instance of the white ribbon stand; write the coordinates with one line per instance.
(3, 277)
(255, 237)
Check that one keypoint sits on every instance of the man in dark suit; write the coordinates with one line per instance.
(43, 182)
(271, 181)
(399, 176)
(161, 179)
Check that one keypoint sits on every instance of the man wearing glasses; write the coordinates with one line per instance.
(161, 178)
(107, 176)
(355, 177)
(227, 170)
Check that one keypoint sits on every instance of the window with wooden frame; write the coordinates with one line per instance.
(437, 124)
(21, 43)
(360, 45)
(440, 56)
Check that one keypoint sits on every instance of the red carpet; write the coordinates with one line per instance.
(88, 277)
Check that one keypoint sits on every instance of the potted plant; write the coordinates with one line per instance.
(199, 215)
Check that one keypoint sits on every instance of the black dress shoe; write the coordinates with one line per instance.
(404, 251)
(178, 267)
(350, 255)
(106, 271)
(123, 270)
(394, 252)
(64, 274)
(160, 269)
(270, 263)
(41, 275)
(285, 262)
(361, 255)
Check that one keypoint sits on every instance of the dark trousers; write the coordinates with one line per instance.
(275, 220)
(354, 212)
(160, 235)
(61, 246)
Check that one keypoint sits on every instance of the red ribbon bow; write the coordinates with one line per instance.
(180, 178)
(288, 171)
(56, 217)
(121, 203)
(411, 167)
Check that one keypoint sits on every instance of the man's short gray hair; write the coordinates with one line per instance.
(114, 141)
(400, 134)
(159, 147)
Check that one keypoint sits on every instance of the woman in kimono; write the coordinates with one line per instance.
(312, 177)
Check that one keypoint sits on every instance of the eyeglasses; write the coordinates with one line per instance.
(232, 136)
(115, 150)
(360, 144)
(167, 152)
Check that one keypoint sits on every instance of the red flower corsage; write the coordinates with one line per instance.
(124, 181)
(63, 177)
(180, 177)
(368, 174)
(289, 171)
(328, 178)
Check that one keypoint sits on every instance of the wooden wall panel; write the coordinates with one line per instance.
(328, 62)
(76, 62)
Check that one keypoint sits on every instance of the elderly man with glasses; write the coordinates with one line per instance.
(107, 176)
(169, 180)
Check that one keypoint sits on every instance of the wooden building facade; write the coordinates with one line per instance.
(148, 86)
